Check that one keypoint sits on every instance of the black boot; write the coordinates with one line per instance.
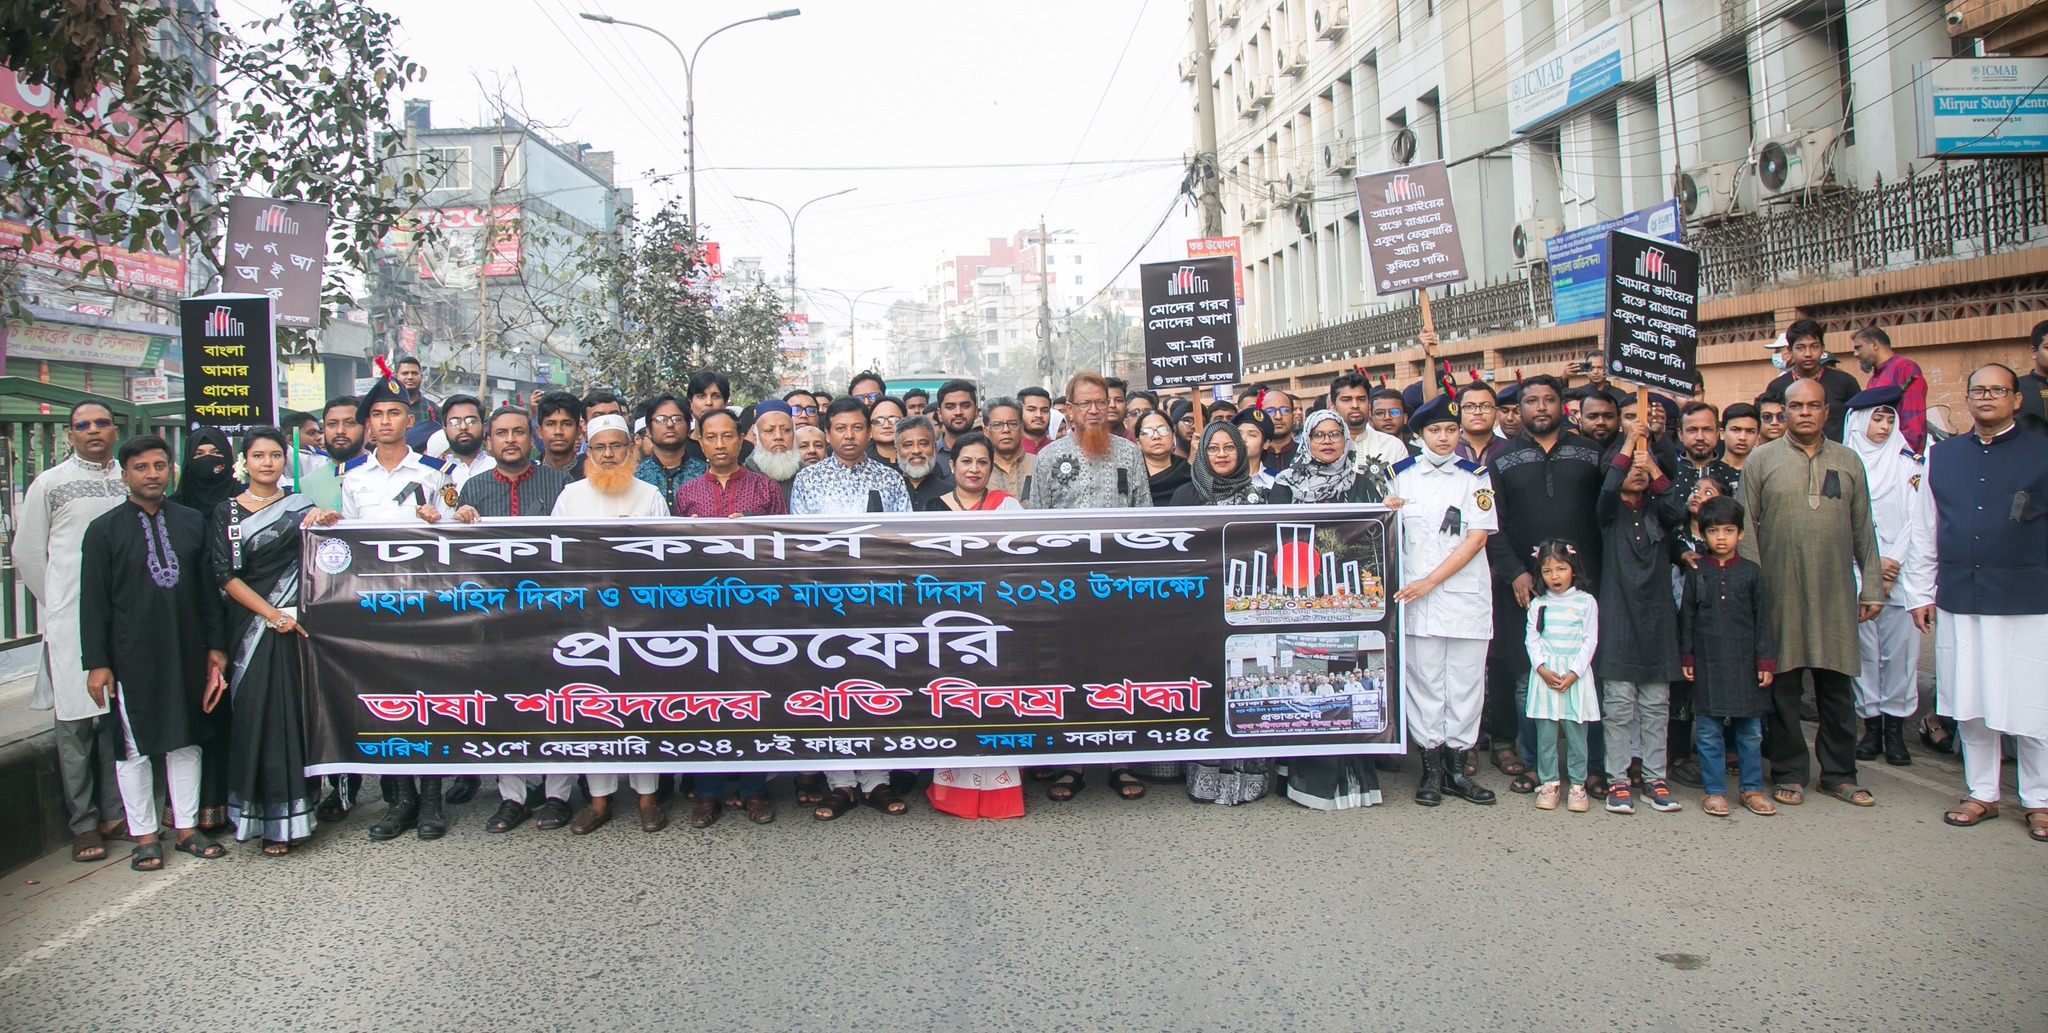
(1429, 791)
(433, 824)
(404, 811)
(1457, 783)
(1895, 742)
(462, 789)
(1873, 739)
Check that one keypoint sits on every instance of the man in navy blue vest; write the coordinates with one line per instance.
(1985, 507)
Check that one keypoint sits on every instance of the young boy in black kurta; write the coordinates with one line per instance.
(1724, 638)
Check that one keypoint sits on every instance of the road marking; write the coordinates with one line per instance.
(76, 933)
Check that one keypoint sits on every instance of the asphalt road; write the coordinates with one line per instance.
(1095, 915)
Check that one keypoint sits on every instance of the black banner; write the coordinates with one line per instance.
(1653, 312)
(230, 356)
(1190, 322)
(893, 641)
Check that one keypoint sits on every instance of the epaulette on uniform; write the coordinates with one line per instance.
(1469, 466)
(360, 459)
(431, 463)
(1404, 464)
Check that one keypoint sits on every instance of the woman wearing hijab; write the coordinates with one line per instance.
(1323, 472)
(207, 480)
(1154, 432)
(1888, 689)
(1222, 477)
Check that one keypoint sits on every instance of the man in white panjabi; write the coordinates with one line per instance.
(48, 550)
(609, 491)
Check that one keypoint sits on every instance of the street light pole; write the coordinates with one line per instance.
(690, 84)
(852, 324)
(791, 219)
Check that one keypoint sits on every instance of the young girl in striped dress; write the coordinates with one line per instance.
(1564, 630)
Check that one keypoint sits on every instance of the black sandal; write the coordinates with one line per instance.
(510, 815)
(199, 845)
(1067, 783)
(1524, 783)
(148, 857)
(835, 803)
(884, 799)
(1122, 779)
(811, 789)
(1931, 724)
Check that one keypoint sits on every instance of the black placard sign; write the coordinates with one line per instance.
(1411, 231)
(1190, 322)
(278, 248)
(1653, 312)
(894, 641)
(230, 361)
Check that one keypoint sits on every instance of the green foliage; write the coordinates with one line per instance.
(295, 106)
(664, 326)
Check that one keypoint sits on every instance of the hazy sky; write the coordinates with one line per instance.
(791, 109)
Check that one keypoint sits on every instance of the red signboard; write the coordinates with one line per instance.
(1210, 247)
(131, 268)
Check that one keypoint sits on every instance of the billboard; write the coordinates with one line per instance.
(1578, 259)
(1209, 247)
(165, 271)
(1566, 77)
(456, 254)
(1977, 106)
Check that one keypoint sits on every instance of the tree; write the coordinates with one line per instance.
(960, 352)
(669, 322)
(161, 113)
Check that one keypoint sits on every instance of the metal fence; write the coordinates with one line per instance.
(1950, 210)
(31, 444)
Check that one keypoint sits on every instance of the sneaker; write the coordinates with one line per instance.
(1579, 803)
(1546, 796)
(1659, 797)
(1618, 799)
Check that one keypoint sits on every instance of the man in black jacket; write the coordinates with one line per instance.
(1803, 361)
(1548, 484)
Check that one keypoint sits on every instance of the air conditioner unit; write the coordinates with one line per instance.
(1340, 155)
(1300, 182)
(1293, 59)
(1527, 243)
(1708, 192)
(1795, 161)
(1226, 13)
(1254, 215)
(1262, 90)
(1190, 67)
(1246, 104)
(1332, 18)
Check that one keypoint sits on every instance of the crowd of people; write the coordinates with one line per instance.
(1658, 592)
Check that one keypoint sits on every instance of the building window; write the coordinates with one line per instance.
(447, 168)
(1077, 279)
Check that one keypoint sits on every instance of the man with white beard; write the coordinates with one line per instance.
(774, 436)
(917, 447)
(610, 491)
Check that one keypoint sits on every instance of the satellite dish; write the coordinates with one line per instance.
(1403, 146)
(1773, 167)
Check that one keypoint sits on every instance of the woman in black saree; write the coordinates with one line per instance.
(253, 548)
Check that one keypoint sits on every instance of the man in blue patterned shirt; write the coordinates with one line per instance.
(847, 481)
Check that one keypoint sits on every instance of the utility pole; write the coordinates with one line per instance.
(1210, 169)
(1045, 367)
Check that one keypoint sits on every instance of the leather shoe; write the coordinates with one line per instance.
(705, 812)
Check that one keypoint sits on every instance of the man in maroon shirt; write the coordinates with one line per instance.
(728, 490)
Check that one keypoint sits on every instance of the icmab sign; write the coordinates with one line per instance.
(1567, 77)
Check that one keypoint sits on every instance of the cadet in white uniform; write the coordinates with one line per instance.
(1446, 508)
(1888, 687)
(390, 481)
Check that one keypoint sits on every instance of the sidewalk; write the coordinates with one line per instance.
(31, 794)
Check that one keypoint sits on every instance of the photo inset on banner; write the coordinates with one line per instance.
(1307, 683)
(1305, 573)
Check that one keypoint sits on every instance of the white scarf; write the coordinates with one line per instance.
(1891, 473)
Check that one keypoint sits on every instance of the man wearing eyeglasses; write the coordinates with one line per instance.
(868, 386)
(1390, 414)
(1985, 508)
(668, 430)
(803, 407)
(460, 441)
(1477, 411)
(1770, 416)
(1351, 398)
(1004, 422)
(48, 549)
(1280, 448)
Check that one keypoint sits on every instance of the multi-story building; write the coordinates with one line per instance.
(492, 298)
(994, 296)
(1788, 131)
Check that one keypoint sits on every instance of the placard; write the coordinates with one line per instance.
(1411, 231)
(1190, 322)
(279, 249)
(889, 641)
(230, 361)
(1653, 292)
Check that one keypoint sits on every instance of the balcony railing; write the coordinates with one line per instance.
(1952, 210)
